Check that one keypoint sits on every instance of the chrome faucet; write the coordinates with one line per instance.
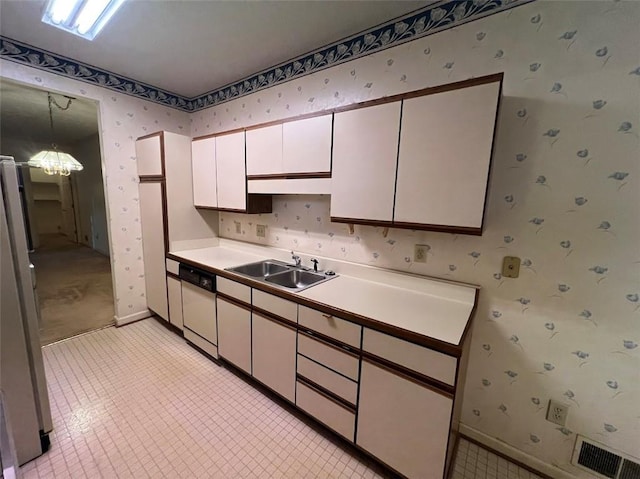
(315, 265)
(296, 258)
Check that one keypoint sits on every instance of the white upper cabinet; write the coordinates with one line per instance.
(230, 171)
(365, 152)
(203, 159)
(306, 145)
(264, 150)
(444, 157)
(149, 156)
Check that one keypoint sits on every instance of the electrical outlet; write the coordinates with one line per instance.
(511, 267)
(261, 231)
(420, 253)
(238, 227)
(557, 413)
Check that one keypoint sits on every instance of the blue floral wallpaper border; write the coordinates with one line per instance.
(436, 17)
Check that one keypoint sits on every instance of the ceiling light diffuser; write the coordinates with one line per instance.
(84, 18)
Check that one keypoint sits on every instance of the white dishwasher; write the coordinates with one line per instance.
(199, 309)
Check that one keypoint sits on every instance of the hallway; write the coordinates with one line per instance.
(74, 288)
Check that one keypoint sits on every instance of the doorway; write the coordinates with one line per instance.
(65, 216)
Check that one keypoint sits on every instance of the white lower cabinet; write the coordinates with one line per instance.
(234, 333)
(174, 293)
(326, 410)
(274, 355)
(403, 423)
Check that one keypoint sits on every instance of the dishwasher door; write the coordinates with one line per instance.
(199, 311)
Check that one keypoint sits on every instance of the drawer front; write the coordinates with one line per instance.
(327, 324)
(330, 356)
(234, 289)
(275, 305)
(418, 358)
(173, 266)
(326, 411)
(199, 311)
(334, 382)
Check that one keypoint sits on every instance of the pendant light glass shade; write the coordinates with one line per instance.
(55, 162)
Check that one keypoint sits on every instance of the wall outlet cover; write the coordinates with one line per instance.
(557, 413)
(420, 253)
(511, 267)
(261, 231)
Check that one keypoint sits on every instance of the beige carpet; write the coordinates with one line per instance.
(74, 288)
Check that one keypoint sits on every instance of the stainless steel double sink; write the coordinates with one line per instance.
(282, 275)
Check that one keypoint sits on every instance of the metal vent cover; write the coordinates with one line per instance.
(604, 461)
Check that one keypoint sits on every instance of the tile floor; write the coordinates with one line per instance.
(138, 402)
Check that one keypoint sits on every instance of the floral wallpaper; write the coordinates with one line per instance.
(564, 197)
(122, 119)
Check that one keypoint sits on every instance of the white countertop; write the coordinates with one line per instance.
(428, 307)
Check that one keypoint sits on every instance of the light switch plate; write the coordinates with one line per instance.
(511, 267)
(238, 227)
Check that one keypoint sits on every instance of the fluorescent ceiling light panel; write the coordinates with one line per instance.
(84, 18)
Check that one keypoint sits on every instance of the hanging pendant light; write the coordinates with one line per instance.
(54, 162)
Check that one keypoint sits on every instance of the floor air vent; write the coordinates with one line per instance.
(605, 462)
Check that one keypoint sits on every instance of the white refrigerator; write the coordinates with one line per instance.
(22, 375)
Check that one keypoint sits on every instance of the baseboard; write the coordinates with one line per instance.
(131, 318)
(516, 454)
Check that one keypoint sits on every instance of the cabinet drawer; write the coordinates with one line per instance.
(334, 382)
(326, 410)
(327, 324)
(173, 267)
(329, 355)
(275, 305)
(418, 358)
(234, 289)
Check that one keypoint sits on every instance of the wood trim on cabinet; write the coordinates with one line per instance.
(274, 318)
(493, 148)
(150, 178)
(359, 221)
(151, 135)
(410, 375)
(331, 396)
(290, 176)
(173, 275)
(330, 342)
(165, 216)
(233, 301)
(454, 350)
(439, 228)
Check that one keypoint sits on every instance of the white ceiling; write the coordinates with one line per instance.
(24, 115)
(192, 47)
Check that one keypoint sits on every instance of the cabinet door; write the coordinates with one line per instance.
(174, 292)
(153, 247)
(445, 153)
(199, 311)
(306, 145)
(234, 334)
(274, 355)
(203, 160)
(149, 156)
(264, 150)
(365, 153)
(403, 423)
(230, 168)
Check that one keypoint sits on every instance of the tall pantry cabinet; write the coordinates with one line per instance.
(167, 214)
